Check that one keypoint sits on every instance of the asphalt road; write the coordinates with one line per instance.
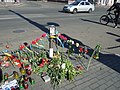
(31, 19)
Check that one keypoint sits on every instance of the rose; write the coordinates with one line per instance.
(22, 47)
(77, 44)
(81, 49)
(44, 35)
(34, 42)
(63, 66)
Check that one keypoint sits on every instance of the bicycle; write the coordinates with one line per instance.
(105, 19)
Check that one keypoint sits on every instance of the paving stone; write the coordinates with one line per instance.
(112, 88)
(102, 81)
(102, 87)
(114, 74)
(94, 80)
(108, 78)
(94, 85)
(79, 82)
(69, 86)
(109, 83)
(86, 88)
(78, 88)
(115, 79)
(83, 85)
(78, 77)
(61, 88)
(103, 75)
(112, 71)
(117, 84)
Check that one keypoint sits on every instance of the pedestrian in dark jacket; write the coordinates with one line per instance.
(116, 7)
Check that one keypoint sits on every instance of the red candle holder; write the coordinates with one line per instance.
(25, 77)
(25, 85)
(28, 72)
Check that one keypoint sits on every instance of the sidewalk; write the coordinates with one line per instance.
(10, 4)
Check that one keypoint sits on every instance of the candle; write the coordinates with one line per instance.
(16, 75)
(32, 81)
(22, 71)
(28, 72)
(25, 85)
(25, 77)
(6, 76)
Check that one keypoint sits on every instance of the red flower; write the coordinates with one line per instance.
(34, 42)
(17, 60)
(44, 35)
(81, 49)
(80, 67)
(12, 57)
(61, 36)
(65, 38)
(22, 47)
(41, 65)
(43, 61)
(86, 51)
(37, 39)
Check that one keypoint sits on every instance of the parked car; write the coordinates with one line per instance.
(79, 7)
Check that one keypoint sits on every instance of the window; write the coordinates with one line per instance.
(82, 3)
(86, 3)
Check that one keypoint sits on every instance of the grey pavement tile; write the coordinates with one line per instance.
(86, 88)
(101, 76)
(94, 85)
(117, 84)
(112, 88)
(69, 86)
(109, 83)
(83, 85)
(61, 88)
(78, 88)
(78, 77)
(114, 74)
(102, 87)
(64, 83)
(79, 82)
(108, 78)
(115, 79)
(102, 81)
(112, 71)
(94, 80)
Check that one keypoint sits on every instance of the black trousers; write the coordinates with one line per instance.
(117, 14)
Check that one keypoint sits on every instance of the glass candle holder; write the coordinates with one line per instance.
(21, 85)
(6, 76)
(12, 88)
(25, 77)
(28, 72)
(15, 74)
(25, 85)
(22, 71)
(32, 81)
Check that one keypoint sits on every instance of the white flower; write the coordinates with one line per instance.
(72, 42)
(63, 66)
(77, 44)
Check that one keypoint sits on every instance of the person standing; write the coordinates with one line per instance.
(116, 8)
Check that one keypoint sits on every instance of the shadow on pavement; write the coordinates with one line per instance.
(94, 22)
(110, 60)
(40, 26)
(118, 40)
